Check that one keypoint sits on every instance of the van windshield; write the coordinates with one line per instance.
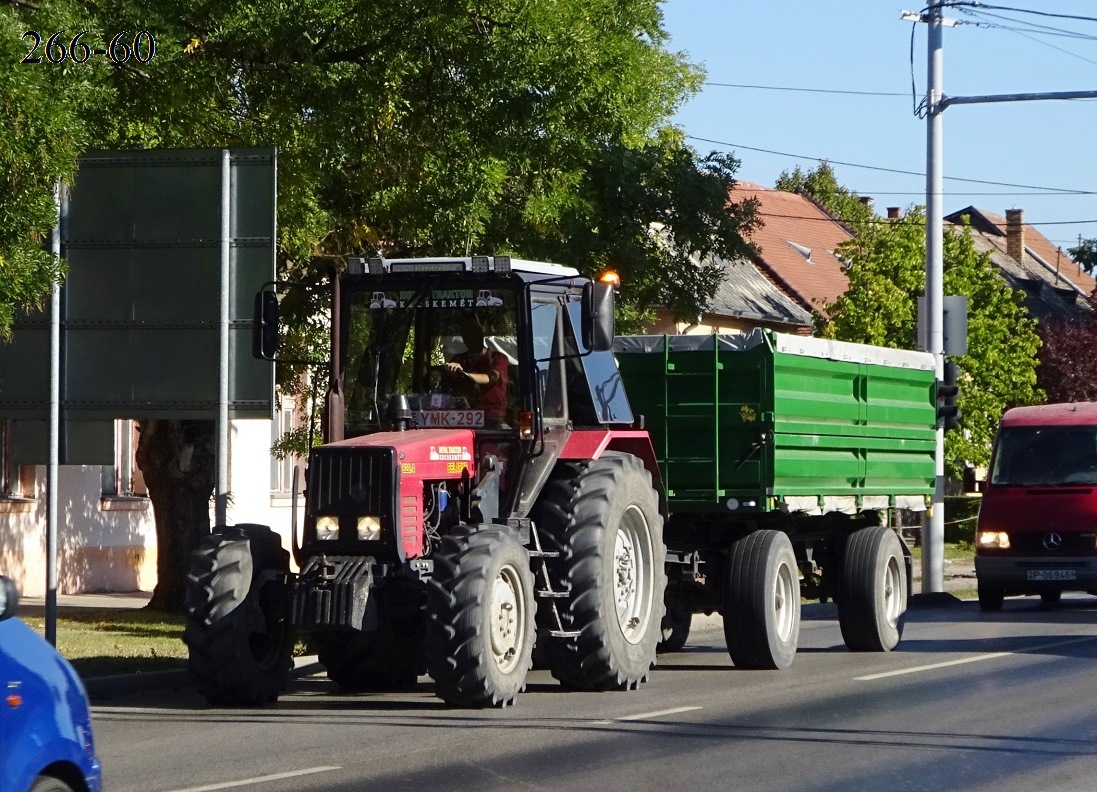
(1045, 456)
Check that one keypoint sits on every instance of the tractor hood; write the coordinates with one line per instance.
(419, 446)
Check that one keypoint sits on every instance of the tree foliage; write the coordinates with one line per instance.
(886, 277)
(43, 109)
(1067, 372)
(1085, 254)
(821, 186)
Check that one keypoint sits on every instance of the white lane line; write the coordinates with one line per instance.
(259, 779)
(976, 659)
(645, 715)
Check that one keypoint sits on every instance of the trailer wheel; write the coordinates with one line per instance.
(236, 601)
(605, 523)
(990, 598)
(872, 590)
(762, 601)
(675, 630)
(480, 624)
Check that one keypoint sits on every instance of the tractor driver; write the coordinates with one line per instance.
(484, 367)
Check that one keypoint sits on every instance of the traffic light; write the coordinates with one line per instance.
(948, 412)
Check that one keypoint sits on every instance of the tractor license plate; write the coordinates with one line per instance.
(449, 419)
(1052, 574)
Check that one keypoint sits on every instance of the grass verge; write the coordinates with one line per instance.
(103, 641)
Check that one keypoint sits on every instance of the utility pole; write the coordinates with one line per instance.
(933, 539)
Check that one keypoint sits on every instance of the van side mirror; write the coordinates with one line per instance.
(264, 344)
(598, 305)
(9, 597)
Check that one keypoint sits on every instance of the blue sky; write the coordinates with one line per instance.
(862, 45)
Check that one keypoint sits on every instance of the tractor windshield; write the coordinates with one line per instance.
(431, 356)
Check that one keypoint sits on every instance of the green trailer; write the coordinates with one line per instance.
(782, 458)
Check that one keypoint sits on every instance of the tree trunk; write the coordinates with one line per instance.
(179, 463)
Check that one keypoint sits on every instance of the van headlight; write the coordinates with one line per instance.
(327, 527)
(369, 528)
(994, 539)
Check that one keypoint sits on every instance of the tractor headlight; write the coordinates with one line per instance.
(997, 539)
(327, 527)
(369, 528)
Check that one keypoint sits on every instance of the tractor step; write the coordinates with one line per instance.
(544, 553)
(559, 633)
(548, 594)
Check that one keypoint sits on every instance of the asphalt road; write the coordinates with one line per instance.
(969, 701)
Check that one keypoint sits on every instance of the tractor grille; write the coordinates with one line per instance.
(353, 481)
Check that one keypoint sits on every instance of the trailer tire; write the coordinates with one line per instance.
(480, 618)
(872, 590)
(675, 630)
(762, 601)
(603, 519)
(236, 627)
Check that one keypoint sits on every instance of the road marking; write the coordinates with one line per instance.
(976, 659)
(645, 715)
(259, 779)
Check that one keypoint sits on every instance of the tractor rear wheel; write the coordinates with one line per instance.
(872, 590)
(480, 618)
(762, 601)
(237, 627)
(603, 519)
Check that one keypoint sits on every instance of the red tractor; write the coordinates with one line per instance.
(480, 489)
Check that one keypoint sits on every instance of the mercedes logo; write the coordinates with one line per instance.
(1053, 541)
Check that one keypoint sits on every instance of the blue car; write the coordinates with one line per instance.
(45, 723)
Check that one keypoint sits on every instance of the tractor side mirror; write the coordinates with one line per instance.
(598, 304)
(265, 332)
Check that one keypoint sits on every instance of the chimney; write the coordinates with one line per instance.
(1015, 235)
(866, 201)
(893, 213)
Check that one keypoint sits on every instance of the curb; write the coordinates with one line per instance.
(115, 685)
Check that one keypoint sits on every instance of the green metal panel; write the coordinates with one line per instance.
(760, 417)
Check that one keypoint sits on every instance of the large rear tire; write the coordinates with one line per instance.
(604, 522)
(480, 623)
(762, 601)
(872, 595)
(237, 629)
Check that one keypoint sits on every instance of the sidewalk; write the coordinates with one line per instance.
(36, 606)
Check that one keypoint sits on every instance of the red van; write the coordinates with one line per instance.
(1037, 531)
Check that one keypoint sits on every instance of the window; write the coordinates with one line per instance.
(123, 479)
(16, 481)
(282, 469)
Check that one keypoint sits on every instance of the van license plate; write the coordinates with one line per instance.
(1052, 574)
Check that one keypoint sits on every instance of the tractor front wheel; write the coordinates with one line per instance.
(237, 627)
(480, 618)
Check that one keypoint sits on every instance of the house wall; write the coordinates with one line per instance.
(109, 544)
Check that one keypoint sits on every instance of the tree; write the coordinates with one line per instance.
(822, 187)
(1066, 370)
(1085, 254)
(42, 130)
(886, 277)
(407, 128)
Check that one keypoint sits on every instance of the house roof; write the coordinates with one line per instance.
(795, 245)
(746, 293)
(1053, 285)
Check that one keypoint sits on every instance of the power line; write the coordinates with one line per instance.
(961, 4)
(1055, 190)
(804, 90)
